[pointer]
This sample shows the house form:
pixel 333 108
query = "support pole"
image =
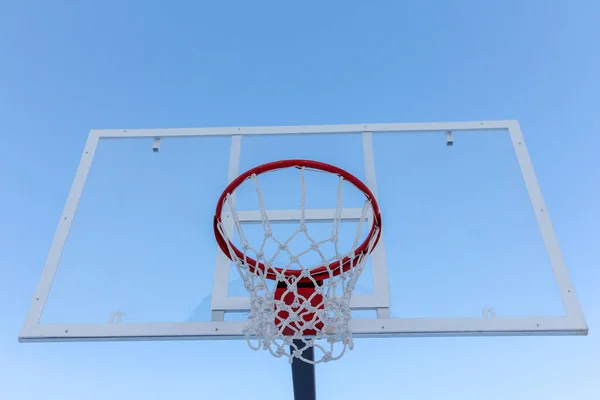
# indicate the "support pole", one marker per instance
pixel 303 374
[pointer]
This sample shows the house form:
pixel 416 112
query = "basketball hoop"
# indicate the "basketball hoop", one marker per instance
pixel 303 304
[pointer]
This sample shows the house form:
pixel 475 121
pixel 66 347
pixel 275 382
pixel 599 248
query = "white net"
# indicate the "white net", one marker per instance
pixel 290 308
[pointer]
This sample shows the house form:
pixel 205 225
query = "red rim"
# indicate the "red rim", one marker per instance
pixel 320 272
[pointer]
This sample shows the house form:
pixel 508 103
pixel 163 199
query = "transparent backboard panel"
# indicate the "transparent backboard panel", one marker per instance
pixel 459 230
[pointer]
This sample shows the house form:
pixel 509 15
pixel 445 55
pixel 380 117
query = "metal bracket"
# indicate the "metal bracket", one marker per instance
pixel 115 317
pixel 488 312
pixel 156 145
pixel 449 139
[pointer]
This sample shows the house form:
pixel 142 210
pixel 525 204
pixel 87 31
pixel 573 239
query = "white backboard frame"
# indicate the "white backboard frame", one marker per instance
pixel 573 323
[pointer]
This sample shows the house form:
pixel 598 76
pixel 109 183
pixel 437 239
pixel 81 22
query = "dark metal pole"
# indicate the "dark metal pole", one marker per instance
pixel 303 374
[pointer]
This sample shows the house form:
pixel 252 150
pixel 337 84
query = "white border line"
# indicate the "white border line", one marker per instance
pixel 559 268
pixel 381 285
pixel 410 327
pixel 221 274
pixel 304 129
pixel 60 237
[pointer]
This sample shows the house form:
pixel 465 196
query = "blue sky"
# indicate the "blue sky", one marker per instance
pixel 66 68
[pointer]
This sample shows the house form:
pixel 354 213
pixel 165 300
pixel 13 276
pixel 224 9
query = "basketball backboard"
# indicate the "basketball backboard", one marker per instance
pixel 467 245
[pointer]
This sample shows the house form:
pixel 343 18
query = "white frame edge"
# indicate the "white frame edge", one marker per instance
pixel 42 290
pixel 571 324
pixel 559 267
